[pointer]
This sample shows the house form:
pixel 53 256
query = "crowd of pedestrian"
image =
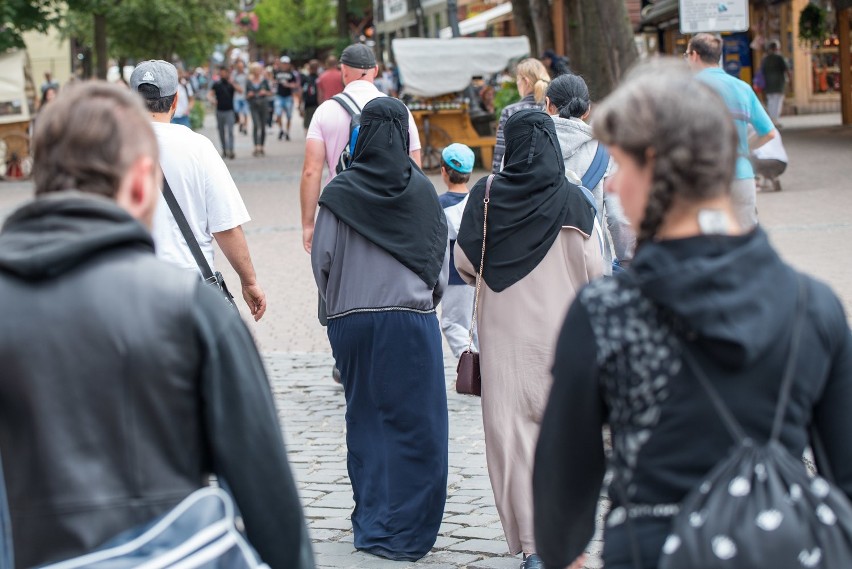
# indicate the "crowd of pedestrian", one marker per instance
pixel 268 96
pixel 636 218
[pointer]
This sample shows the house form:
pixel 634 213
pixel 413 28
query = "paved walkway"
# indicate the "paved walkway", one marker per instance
pixel 809 222
pixel 312 410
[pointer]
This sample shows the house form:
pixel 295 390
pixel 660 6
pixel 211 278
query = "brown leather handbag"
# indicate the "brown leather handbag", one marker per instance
pixel 468 377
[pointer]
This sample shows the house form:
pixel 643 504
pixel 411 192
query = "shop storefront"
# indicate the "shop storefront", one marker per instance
pixel 816 69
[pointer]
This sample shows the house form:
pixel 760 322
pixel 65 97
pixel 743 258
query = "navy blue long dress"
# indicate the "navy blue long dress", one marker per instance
pixel 380 259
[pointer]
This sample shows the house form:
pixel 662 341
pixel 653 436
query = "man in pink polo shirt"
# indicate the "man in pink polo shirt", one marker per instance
pixel 329 131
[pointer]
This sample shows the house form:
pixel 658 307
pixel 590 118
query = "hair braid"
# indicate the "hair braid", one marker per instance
pixel 659 202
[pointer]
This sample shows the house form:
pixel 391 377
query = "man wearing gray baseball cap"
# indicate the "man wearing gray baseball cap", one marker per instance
pixel 201 184
pixel 328 133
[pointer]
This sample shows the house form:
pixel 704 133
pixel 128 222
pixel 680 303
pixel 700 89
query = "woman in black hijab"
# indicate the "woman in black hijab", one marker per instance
pixel 380 259
pixel 542 245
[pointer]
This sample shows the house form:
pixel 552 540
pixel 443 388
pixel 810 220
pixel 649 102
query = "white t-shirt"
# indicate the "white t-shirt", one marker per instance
pixel 184 92
pixel 331 123
pixel 772 150
pixel 203 188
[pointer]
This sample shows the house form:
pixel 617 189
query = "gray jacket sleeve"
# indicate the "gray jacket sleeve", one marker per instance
pixel 443 278
pixel 623 236
pixel 245 442
pixel 323 247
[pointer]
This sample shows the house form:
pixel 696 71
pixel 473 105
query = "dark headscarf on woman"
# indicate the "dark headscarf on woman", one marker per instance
pixel 385 197
pixel 531 200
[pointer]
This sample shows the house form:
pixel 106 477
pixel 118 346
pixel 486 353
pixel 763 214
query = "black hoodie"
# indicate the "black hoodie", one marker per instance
pixel 125 382
pixel 55 234
pixel 730 301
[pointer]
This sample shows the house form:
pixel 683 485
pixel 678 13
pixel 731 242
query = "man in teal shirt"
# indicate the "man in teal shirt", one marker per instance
pixel 704 53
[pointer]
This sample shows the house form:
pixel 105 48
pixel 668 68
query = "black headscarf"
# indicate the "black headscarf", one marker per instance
pixel 531 200
pixel 385 197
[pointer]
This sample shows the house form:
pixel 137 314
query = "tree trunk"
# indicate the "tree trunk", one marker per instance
pixel 343 19
pixel 100 46
pixel 524 23
pixel 543 24
pixel 600 41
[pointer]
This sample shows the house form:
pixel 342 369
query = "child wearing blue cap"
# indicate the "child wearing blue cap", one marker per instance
pixel 457 304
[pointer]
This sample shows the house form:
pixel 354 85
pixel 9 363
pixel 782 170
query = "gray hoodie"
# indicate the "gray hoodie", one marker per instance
pixel 578 151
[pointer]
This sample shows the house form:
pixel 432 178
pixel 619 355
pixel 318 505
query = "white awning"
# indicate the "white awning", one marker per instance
pixel 479 23
pixel 432 67
pixel 13 98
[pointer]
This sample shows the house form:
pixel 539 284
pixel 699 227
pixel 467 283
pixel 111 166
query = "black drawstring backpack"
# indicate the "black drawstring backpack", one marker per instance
pixel 759 507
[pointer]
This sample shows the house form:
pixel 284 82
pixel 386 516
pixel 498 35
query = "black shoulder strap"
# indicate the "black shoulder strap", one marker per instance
pixel 188 236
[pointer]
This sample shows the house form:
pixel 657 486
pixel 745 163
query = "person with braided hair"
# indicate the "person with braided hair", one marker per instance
pixel 569 104
pixel 532 80
pixel 700 288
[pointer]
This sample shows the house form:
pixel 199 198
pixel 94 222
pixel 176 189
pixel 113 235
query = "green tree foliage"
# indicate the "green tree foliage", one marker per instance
pixel 302 27
pixel 19 16
pixel 152 29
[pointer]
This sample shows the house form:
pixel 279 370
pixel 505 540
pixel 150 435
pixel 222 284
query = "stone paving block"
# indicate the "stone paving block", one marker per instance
pixel 497 563
pixel 335 500
pixel 336 513
pixel 336 561
pixel 444 542
pixel 330 523
pixel 373 562
pixel 480 546
pixel 470 520
pixel 459 499
pixel 333 548
pixel 453 558
pixel 447 528
pixel 456 508
pixel 323 534
pixel 479 533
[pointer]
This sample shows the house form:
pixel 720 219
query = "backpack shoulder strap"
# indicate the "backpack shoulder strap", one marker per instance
pixel 597 169
pixel 348 103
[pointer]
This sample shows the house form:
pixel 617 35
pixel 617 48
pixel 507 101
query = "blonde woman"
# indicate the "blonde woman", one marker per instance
pixel 532 80
pixel 257 95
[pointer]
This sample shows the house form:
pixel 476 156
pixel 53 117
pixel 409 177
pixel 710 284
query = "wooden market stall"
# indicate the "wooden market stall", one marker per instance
pixel 14 117
pixel 437 75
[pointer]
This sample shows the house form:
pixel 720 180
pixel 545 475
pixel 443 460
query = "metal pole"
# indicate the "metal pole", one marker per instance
pixel 453 17
pixel 843 18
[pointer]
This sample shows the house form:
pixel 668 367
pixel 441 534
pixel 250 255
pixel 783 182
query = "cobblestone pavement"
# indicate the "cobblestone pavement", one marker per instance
pixel 809 222
pixel 312 411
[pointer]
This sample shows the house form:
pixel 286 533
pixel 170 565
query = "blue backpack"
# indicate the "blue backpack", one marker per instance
pixel 595 174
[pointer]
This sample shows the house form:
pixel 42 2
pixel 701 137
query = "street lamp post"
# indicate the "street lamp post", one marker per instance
pixel 453 17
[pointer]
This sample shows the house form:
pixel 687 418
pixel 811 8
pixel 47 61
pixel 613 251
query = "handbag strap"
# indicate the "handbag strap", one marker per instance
pixel 481 262
pixel 187 233
pixel 734 427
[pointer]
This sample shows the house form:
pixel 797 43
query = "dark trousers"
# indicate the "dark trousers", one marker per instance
pixel 225 123
pixel 259 115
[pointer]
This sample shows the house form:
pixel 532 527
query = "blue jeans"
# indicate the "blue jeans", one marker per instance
pixel 241 106
pixel 284 104
pixel 184 120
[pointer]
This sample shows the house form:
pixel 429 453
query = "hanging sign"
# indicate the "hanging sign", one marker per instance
pixel 713 16
pixel 395 9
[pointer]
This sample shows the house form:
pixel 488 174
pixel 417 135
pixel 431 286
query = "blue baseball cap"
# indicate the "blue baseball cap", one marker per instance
pixel 458 157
